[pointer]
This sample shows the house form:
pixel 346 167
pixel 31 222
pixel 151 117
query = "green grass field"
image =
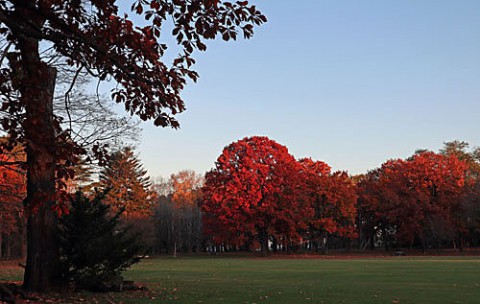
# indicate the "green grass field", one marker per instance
pixel 254 280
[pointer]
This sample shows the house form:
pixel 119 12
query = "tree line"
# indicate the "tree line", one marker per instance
pixel 258 197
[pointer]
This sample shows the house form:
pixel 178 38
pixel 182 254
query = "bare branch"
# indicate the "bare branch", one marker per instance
pixel 67 97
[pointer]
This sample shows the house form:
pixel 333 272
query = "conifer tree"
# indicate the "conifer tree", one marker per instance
pixel 128 183
pixel 95 249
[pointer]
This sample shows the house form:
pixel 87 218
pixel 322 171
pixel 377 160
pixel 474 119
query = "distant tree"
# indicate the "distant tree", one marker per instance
pixel 331 203
pixel 416 200
pixel 12 193
pixel 96 37
pixel 164 225
pixel 95 249
pixel 178 217
pixel 162 186
pixel 127 183
pixel 458 149
pixel 469 216
pixel 251 196
pixel 186 186
pixel 375 195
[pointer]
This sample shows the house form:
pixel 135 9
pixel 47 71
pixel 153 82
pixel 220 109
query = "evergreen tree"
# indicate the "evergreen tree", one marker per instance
pixel 128 183
pixel 94 249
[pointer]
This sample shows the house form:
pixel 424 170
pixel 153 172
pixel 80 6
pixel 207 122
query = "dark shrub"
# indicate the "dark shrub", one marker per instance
pixel 94 249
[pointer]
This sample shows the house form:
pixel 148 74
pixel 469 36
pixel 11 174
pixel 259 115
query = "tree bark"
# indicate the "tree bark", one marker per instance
pixel 8 245
pixel 323 239
pixel 263 239
pixel 1 243
pixel 22 235
pixel 37 89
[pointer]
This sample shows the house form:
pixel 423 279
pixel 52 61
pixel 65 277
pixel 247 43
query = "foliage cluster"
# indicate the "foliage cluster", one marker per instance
pixel 258 193
pixel 12 193
pixel 259 196
pixel 415 201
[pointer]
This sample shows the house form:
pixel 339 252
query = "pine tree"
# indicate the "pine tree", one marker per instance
pixel 94 247
pixel 128 183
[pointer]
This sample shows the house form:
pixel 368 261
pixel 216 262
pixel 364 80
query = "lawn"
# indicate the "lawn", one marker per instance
pixel 255 280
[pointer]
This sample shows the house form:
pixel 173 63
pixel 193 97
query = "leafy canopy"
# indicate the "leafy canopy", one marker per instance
pixel 92 35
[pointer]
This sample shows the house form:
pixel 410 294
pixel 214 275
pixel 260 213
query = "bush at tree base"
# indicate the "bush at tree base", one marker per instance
pixel 95 249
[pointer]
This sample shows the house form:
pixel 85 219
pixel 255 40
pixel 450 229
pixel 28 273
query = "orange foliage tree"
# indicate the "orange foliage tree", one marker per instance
pixel 250 196
pixel 127 184
pixel 178 219
pixel 12 194
pixel 129 189
pixel 186 187
pixel 186 218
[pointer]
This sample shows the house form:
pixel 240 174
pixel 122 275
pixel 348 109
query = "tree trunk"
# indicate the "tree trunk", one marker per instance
pixel 372 240
pixel 21 235
pixel 323 240
pixel 1 243
pixel 275 245
pixel 8 245
pixel 37 89
pixel 385 239
pixel 263 238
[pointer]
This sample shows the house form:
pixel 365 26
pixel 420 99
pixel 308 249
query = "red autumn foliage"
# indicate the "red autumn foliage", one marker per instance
pixel 12 177
pixel 12 193
pixel 251 194
pixel 258 192
pixel 415 199
pixel 331 201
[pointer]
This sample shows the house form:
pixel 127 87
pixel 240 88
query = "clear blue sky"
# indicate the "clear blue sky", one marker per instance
pixel 352 83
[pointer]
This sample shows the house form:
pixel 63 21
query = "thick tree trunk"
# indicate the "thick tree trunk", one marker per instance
pixel 42 267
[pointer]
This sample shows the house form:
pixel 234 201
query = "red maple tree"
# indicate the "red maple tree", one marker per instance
pixel 250 196
pixel 330 202
pixel 415 199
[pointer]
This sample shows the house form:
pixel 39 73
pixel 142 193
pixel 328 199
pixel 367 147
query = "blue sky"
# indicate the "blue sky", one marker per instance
pixel 352 83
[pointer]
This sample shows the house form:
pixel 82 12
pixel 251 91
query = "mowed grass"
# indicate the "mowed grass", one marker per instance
pixel 249 280
pixel 278 280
